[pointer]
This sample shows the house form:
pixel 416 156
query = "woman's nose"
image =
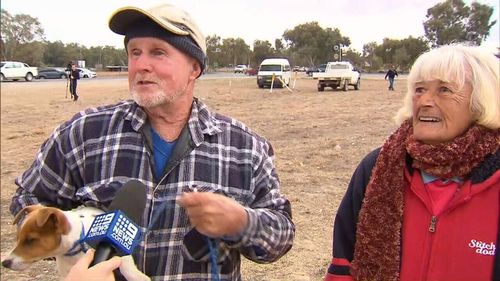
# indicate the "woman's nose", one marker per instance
pixel 427 98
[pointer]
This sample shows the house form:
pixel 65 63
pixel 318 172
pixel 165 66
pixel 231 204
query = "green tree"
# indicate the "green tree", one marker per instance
pixel 94 56
pixel 280 50
pixel 387 50
pixel 261 51
pixel 478 27
pixel 53 55
pixel 393 52
pixel 313 43
pixel 354 57
pixel 413 47
pixel 371 61
pixel 214 51
pixel 74 52
pixel 30 53
pixel 16 31
pixel 452 21
pixel 235 51
pixel 113 56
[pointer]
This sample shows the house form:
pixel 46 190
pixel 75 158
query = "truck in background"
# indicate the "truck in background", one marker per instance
pixel 279 68
pixel 338 74
pixel 14 70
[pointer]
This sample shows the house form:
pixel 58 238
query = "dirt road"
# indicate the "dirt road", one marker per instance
pixel 318 139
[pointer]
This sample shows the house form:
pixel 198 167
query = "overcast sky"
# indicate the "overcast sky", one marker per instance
pixel 86 21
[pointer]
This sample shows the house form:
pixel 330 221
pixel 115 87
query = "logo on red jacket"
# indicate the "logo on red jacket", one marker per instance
pixel 483 248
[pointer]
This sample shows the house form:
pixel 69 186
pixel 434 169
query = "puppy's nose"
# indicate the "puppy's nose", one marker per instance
pixel 7 263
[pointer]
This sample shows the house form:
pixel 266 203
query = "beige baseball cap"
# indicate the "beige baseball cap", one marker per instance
pixel 167 16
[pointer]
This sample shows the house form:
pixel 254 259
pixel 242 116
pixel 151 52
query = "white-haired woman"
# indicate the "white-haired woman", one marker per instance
pixel 425 206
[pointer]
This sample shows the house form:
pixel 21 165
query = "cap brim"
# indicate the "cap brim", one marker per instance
pixel 124 17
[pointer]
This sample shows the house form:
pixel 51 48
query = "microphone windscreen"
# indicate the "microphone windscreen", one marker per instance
pixel 131 200
pixel 117 231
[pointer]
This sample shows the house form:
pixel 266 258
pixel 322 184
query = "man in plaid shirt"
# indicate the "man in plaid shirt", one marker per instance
pixel 211 182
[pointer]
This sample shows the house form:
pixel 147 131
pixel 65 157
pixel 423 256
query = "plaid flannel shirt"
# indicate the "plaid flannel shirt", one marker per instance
pixel 87 159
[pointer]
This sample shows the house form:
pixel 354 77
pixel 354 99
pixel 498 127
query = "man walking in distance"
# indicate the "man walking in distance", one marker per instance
pixel 391 74
pixel 68 72
pixel 74 75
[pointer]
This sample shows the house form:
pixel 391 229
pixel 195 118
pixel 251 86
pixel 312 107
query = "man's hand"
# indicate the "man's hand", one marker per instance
pixel 214 215
pixel 100 272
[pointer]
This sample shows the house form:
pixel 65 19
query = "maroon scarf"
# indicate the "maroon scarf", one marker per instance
pixel 378 237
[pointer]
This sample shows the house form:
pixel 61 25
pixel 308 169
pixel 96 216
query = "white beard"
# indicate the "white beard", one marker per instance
pixel 158 97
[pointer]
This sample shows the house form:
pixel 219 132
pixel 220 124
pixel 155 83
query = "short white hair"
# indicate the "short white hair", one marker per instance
pixel 459 64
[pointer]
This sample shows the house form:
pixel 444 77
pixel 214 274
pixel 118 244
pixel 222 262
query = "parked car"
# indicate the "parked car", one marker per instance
pixel 251 71
pixel 277 69
pixel 15 70
pixel 338 74
pixel 86 73
pixel 241 68
pixel 319 68
pixel 52 73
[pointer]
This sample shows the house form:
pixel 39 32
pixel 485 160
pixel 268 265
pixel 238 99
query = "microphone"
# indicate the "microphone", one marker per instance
pixel 117 232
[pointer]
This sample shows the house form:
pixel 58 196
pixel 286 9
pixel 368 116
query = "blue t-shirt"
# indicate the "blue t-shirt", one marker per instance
pixel 162 150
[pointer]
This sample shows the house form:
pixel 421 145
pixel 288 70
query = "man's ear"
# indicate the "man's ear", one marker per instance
pixel 196 69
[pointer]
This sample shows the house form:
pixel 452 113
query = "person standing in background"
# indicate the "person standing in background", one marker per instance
pixel 74 75
pixel 68 72
pixel 391 74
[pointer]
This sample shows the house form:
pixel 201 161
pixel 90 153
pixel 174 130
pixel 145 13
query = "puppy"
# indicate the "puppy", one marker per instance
pixel 47 232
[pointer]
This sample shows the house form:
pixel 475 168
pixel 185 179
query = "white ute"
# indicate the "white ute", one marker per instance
pixel 14 70
pixel 338 74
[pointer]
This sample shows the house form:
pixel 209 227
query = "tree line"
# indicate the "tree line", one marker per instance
pixel 22 38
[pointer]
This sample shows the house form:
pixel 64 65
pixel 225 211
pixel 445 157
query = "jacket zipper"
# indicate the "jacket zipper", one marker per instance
pixel 432 226
pixel 453 204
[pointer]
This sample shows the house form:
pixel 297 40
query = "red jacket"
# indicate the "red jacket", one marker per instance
pixel 462 236
pixel 455 243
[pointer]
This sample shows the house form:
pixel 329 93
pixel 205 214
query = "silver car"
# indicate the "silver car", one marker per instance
pixel 86 73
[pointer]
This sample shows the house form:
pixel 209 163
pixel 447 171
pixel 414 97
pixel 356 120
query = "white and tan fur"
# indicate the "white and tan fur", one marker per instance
pixel 47 232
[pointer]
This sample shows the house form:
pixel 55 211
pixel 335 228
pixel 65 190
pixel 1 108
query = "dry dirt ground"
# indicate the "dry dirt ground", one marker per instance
pixel 318 138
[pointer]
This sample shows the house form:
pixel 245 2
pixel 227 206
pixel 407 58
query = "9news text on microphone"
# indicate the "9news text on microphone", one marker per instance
pixel 117 232
pixel 116 229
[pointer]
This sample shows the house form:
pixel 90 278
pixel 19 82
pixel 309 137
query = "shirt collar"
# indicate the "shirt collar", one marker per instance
pixel 428 178
pixel 201 121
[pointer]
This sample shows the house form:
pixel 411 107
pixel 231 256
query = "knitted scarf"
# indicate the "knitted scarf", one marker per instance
pixel 378 237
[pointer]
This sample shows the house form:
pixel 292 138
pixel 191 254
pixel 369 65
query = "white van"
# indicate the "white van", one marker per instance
pixel 279 67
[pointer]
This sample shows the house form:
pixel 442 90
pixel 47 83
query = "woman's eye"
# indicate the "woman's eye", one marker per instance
pixel 446 90
pixel 419 90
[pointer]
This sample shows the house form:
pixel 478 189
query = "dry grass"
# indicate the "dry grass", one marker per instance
pixel 318 139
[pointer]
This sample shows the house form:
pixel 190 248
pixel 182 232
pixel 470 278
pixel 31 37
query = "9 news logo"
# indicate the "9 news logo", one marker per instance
pixel 100 225
pixel 124 232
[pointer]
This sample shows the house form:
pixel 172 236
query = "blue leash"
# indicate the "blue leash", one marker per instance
pixel 212 246
pixel 79 245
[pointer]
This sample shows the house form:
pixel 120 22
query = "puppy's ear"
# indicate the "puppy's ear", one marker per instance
pixel 54 219
pixel 24 211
